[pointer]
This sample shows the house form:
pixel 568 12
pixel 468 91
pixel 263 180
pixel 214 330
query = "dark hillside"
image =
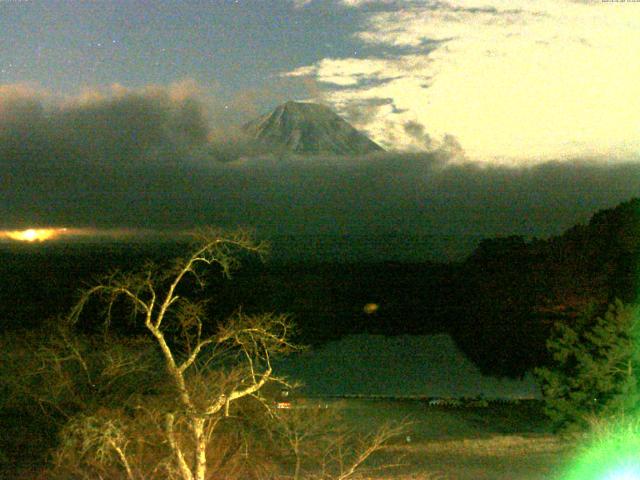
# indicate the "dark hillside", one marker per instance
pixel 499 304
pixel 513 291
pixel 328 300
pixel 41 281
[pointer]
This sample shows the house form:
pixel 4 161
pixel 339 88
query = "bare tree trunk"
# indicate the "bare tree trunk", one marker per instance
pixel 184 469
pixel 296 450
pixel 201 445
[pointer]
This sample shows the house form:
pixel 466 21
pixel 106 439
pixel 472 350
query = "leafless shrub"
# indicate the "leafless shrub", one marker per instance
pixel 323 447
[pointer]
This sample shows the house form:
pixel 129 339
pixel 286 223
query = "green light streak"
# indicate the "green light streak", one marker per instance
pixel 614 454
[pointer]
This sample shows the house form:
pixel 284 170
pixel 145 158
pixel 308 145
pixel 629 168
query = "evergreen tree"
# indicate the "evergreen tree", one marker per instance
pixel 596 368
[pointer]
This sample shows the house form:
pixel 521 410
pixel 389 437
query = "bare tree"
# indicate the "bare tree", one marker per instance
pixel 183 399
pixel 324 448
pixel 209 369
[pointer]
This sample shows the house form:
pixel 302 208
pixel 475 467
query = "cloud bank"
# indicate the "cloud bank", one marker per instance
pixel 152 159
pixel 513 80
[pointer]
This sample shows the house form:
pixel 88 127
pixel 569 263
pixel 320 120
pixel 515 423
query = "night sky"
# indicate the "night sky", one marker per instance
pixel 498 117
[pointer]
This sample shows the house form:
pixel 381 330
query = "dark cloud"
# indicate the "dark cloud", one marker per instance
pixel 450 147
pixel 364 111
pixel 121 129
pixel 150 160
pixel 417 132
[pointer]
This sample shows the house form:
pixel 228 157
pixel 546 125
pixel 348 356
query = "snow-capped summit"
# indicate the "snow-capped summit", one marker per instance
pixel 309 128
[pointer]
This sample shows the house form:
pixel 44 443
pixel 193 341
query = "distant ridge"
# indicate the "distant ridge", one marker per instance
pixel 308 129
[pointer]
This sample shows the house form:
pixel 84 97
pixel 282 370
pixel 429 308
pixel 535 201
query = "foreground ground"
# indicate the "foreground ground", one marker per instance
pixel 496 442
pixel 492 442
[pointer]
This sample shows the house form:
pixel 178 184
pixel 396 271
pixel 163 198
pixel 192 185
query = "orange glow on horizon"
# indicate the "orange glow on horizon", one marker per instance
pixel 40 235
pixel 33 234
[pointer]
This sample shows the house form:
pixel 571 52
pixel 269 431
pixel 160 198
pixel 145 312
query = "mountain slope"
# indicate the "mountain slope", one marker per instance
pixel 309 128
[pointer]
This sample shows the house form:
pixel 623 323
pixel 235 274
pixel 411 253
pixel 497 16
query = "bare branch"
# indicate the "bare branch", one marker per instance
pixel 194 355
pixel 371 445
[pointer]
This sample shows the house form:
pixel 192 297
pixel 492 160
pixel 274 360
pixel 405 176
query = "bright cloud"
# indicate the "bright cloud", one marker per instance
pixel 354 71
pixel 510 79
